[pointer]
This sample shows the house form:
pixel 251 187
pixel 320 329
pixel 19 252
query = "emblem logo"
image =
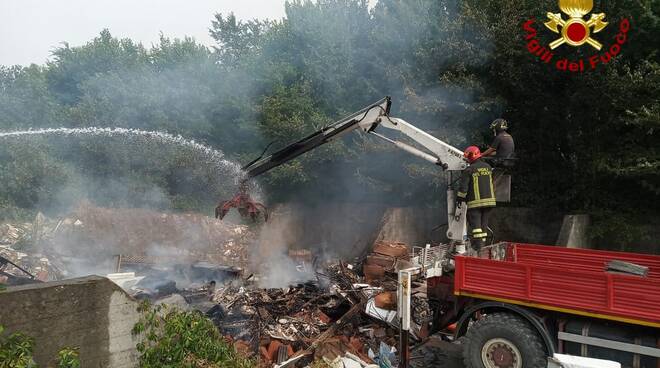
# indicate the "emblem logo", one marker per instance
pixel 575 31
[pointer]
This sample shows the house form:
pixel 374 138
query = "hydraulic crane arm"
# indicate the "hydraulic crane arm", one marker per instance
pixel 318 138
pixel 443 154
pixel 367 119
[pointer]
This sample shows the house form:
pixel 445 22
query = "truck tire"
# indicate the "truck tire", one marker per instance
pixel 503 340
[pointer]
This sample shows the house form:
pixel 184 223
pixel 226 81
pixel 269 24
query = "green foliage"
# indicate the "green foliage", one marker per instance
pixel 586 142
pixel 237 39
pixel 16 350
pixel 72 66
pixel 174 338
pixel 68 358
pixel 586 139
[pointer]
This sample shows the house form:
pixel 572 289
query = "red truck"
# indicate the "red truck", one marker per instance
pixel 516 304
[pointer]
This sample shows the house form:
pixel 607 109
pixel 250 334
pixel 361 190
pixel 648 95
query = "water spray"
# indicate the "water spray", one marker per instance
pixel 213 156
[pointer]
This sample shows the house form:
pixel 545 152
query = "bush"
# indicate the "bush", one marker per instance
pixel 16 350
pixel 68 358
pixel 174 338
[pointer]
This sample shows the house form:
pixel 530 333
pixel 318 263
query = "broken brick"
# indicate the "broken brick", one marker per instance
pixel 272 350
pixel 381 260
pixel 373 272
pixel 324 317
pixel 242 347
pixel 356 344
pixel 386 300
pixel 397 250
pixel 264 353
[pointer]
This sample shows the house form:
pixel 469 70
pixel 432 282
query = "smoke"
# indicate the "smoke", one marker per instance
pixel 165 246
pixel 129 164
pixel 128 170
pixel 270 254
pixel 421 54
pixel 351 55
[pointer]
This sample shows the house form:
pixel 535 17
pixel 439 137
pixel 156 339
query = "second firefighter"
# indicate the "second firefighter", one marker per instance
pixel 475 188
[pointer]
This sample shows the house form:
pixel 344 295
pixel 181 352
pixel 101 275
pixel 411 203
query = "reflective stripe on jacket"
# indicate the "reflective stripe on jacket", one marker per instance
pixel 476 185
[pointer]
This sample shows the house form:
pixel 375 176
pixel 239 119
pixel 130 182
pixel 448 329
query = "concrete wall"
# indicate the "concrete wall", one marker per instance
pixel 351 227
pixel 90 313
pixel 574 232
pixel 413 226
pixel 525 225
pixel 343 229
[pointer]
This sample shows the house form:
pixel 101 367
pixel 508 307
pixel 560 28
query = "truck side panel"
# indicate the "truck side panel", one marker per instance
pixel 553 278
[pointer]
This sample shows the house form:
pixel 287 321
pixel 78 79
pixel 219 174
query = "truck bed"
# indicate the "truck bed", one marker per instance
pixel 563 279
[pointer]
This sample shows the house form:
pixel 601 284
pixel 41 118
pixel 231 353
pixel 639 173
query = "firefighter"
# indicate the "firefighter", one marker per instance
pixel 503 146
pixel 475 188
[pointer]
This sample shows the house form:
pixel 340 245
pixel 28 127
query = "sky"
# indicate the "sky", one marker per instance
pixel 31 29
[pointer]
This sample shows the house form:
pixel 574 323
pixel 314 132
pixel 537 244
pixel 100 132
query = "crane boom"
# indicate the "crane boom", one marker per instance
pixel 318 138
pixel 446 155
pixel 368 120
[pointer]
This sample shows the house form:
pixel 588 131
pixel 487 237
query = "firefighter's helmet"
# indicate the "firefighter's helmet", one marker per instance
pixel 499 125
pixel 472 153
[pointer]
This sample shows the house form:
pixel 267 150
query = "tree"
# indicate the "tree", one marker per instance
pixel 586 141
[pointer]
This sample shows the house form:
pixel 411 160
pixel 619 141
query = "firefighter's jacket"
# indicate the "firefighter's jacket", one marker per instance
pixel 476 185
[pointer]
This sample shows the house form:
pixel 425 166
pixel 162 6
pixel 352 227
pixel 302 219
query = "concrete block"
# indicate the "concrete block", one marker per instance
pixel 90 313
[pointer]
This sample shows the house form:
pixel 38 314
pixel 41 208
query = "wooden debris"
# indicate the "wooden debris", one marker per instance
pixel 397 250
pixel 380 260
pixel 373 273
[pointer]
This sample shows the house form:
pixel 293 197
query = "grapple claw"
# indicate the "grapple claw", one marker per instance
pixel 244 204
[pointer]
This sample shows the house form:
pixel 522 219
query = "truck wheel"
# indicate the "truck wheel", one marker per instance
pixel 503 340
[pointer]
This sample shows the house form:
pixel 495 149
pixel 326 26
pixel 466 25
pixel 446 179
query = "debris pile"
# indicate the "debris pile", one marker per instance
pixel 340 318
pixel 10 234
pixel 94 240
pixel 337 318
pixel 344 315
pixel 22 260
pixel 314 320
pixel 141 232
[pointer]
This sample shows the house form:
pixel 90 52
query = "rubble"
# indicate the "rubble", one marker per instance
pixel 386 257
pixel 125 280
pixel 162 237
pixel 17 267
pixel 327 319
pixel 342 318
pixel 391 249
pixel 10 234
pixel 90 238
pixel 345 316
pixel 175 300
pixel 23 258
pixel 386 300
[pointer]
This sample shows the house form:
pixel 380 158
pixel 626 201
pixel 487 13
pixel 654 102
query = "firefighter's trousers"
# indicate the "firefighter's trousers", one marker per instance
pixel 477 219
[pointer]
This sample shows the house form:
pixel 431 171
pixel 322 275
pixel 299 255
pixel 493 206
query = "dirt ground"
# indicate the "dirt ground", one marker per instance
pixel 437 353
